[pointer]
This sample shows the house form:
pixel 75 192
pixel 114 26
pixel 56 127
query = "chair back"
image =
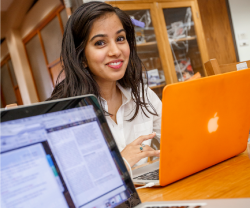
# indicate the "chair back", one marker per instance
pixel 212 67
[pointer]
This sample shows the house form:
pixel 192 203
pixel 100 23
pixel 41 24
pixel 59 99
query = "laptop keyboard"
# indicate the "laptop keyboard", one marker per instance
pixel 153 175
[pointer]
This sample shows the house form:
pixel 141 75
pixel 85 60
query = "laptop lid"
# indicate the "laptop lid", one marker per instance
pixel 204 122
pixel 61 154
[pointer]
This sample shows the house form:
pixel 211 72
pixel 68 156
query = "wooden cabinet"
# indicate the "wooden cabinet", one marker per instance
pixel 170 39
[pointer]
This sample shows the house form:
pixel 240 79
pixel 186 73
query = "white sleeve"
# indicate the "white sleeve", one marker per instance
pixel 157 104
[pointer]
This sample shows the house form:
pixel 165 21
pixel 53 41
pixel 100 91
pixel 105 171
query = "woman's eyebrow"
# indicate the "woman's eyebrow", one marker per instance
pixel 121 30
pixel 99 35
pixel 104 35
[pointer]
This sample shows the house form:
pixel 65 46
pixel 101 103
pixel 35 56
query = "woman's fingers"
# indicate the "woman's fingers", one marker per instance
pixel 145 148
pixel 135 151
pixel 140 139
pixel 152 153
pixel 148 151
pixel 136 157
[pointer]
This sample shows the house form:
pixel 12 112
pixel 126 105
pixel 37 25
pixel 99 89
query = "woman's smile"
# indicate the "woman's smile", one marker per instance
pixel 116 64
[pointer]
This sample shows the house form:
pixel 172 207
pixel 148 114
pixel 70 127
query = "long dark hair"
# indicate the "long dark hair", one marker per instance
pixel 78 77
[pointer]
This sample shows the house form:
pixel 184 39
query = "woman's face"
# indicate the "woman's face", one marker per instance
pixel 107 50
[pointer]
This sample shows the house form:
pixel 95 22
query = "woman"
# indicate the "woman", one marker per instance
pixel 99 57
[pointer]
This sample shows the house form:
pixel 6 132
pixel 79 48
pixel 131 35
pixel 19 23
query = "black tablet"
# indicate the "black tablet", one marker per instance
pixel 62 154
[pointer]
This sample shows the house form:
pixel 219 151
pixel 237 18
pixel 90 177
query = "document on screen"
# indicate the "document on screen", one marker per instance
pixel 27 180
pixel 84 160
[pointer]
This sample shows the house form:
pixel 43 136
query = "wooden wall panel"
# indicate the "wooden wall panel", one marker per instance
pixel 217 29
pixel 55 68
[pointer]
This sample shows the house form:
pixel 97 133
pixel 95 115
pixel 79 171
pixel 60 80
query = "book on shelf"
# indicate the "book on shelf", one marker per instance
pixel 155 77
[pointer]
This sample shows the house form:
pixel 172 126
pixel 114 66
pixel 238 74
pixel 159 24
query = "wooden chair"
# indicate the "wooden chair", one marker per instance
pixel 212 67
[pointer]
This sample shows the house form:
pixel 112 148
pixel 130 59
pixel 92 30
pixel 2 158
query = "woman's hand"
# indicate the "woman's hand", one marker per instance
pixel 133 154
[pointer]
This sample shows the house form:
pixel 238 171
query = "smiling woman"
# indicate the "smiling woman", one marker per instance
pixel 99 57
pixel 107 50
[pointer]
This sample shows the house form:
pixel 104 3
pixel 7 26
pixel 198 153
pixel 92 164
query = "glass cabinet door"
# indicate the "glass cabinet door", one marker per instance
pixel 183 42
pixel 147 49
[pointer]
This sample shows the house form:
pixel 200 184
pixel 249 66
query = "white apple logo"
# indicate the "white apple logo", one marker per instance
pixel 212 123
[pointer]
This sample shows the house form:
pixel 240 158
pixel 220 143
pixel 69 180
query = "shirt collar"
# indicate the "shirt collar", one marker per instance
pixel 126 93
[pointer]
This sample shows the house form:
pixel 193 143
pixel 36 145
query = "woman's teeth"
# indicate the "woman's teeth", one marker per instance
pixel 115 64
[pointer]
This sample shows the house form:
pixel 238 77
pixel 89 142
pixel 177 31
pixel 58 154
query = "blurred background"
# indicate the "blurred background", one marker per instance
pixel 174 39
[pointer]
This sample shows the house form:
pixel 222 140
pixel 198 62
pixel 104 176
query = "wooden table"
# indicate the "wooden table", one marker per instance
pixel 228 179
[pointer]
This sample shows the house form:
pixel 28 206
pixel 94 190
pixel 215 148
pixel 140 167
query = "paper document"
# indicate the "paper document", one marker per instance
pixel 242 66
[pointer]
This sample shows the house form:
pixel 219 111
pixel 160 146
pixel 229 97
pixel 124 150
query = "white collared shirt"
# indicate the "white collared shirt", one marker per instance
pixel 125 131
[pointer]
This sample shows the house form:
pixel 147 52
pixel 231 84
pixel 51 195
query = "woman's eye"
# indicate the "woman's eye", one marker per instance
pixel 121 38
pixel 100 43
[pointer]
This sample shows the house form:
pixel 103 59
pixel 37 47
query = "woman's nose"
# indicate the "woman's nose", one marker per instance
pixel 114 49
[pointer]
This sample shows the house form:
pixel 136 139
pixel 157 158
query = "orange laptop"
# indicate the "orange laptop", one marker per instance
pixel 204 122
